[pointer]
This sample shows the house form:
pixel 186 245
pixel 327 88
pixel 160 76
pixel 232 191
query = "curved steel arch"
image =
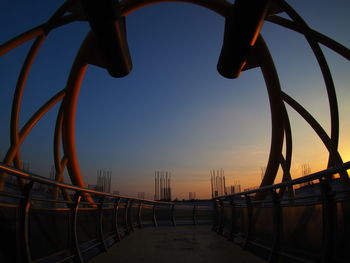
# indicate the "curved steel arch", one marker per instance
pixel 89 53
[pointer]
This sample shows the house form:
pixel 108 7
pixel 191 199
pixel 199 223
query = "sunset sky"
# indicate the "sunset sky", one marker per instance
pixel 174 112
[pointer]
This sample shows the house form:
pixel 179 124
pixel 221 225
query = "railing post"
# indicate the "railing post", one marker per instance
pixel 75 244
pixel 172 214
pixel 100 223
pixel 329 220
pixel 233 220
pixel 155 224
pixel 250 220
pixel 131 227
pixel 139 212
pixel 116 209
pixel 23 251
pixel 215 215
pixel 277 227
pixel 126 211
pixel 221 218
pixel 194 219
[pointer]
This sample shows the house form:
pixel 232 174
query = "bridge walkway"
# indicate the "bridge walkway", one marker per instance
pixel 182 244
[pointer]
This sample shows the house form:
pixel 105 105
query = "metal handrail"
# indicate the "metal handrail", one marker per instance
pixel 43 180
pixel 326 198
pixel 314 176
pixel 76 249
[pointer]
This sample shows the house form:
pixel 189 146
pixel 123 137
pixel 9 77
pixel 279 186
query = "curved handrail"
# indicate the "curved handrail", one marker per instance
pixel 102 204
pixel 314 176
pixel 246 219
pixel 40 179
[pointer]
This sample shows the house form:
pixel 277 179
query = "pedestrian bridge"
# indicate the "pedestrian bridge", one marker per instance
pixel 302 220
pixel 195 244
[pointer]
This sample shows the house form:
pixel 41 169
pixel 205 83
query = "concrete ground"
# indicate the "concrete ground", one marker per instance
pixel 182 244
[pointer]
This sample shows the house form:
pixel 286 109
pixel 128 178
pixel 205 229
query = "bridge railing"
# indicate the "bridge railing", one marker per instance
pixel 35 227
pixel 302 220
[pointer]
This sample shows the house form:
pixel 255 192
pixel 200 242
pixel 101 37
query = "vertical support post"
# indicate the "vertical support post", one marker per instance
pixel 166 187
pixel 75 244
pixel 222 218
pixel 250 220
pixel 233 220
pixel 158 186
pixel 277 227
pixel 212 187
pixel 155 224
pixel 215 215
pixel 155 186
pixel 130 224
pixel 23 251
pixel 116 210
pixel 194 217
pixel 329 220
pixel 139 212
pixel 161 186
pixel 126 215
pixel 172 214
pixel 100 223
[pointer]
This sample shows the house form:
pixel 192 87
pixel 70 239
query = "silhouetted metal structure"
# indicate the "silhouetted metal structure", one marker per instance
pixel 106 46
pixel 310 227
pixel 218 183
pixel 162 186
pixel 75 230
pixel 243 48
pixel 104 179
pixel 192 196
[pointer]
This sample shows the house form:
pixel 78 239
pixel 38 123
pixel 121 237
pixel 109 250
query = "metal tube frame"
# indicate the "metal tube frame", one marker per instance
pixel 116 210
pixel 100 223
pixel 329 219
pixel 23 252
pixel 88 50
pixel 233 220
pixel 129 219
pixel 155 223
pixel 75 248
pixel 126 220
pixel 277 227
pixel 221 208
pixel 249 220
pixel 172 214
pixel 139 215
pixel 194 215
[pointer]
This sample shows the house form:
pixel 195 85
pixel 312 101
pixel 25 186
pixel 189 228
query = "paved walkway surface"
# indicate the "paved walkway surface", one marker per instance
pixel 182 244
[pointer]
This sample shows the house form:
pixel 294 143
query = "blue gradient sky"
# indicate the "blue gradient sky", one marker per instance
pixel 174 112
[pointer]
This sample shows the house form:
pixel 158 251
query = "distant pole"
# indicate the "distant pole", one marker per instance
pixel 161 185
pixel 166 185
pixel 220 182
pixel 213 179
pixel 158 186
pixel 155 185
pixel 216 184
pixel 170 186
pixel 211 182
pixel 223 174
